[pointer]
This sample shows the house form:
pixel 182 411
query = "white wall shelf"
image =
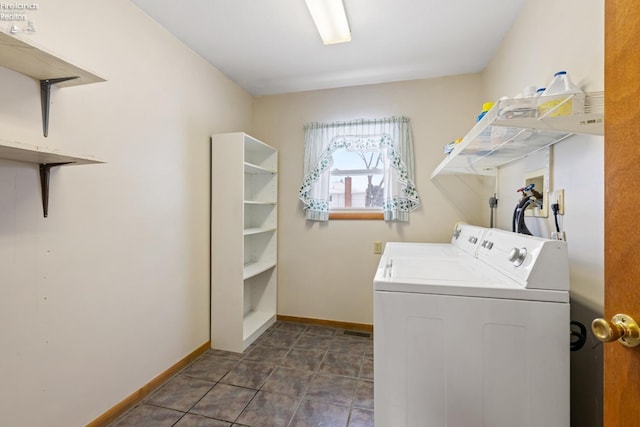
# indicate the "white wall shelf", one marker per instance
pixel 258 230
pixel 244 221
pixel 506 134
pixel 256 170
pixel 20 152
pixel 254 268
pixel 46 158
pixel 49 69
pixel 254 324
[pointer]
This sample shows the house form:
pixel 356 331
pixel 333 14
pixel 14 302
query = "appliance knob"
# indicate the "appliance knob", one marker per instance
pixel 456 233
pixel 517 256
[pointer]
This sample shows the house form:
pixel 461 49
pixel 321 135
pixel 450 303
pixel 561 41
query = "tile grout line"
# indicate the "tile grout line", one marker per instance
pixel 279 363
pixel 145 401
pixel 215 383
pixel 306 388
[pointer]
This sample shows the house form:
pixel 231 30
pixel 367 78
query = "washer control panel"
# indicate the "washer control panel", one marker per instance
pixel 486 244
pixel 517 256
pixel 531 261
pixel 468 237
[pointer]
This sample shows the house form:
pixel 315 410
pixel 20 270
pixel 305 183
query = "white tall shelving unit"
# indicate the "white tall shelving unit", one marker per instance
pixel 244 221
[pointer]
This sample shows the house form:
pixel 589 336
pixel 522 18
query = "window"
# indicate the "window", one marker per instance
pixel 356 182
pixel 360 169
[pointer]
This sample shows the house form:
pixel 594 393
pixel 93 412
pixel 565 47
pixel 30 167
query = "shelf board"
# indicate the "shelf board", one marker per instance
pixel 20 152
pixel 253 144
pixel 495 141
pixel 36 62
pixel 258 202
pixel 592 123
pixel 250 168
pixel 258 230
pixel 254 268
pixel 46 157
pixel 483 155
pixel 255 323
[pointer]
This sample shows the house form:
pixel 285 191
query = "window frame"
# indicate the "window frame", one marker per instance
pixel 353 214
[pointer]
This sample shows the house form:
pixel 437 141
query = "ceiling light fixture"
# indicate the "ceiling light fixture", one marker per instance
pixel 331 20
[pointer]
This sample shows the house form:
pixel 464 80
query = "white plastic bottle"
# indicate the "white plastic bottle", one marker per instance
pixel 561 98
pixel 529 92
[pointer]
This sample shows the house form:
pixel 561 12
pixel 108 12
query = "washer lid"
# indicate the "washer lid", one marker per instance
pixel 459 276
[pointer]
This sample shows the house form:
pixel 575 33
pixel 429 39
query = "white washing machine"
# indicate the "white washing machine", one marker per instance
pixel 472 338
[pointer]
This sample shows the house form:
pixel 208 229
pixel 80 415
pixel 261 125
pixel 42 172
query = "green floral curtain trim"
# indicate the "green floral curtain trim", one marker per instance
pixel 395 209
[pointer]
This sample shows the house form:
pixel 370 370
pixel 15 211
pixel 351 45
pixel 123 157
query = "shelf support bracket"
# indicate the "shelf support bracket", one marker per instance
pixel 45 169
pixel 45 99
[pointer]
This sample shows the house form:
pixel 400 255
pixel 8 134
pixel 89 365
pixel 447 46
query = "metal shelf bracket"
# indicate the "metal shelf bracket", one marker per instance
pixel 45 169
pixel 45 99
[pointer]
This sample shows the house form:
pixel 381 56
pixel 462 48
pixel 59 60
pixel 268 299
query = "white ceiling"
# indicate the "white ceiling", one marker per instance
pixel 272 46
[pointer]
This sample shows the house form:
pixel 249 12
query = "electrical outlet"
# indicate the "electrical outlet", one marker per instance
pixel 559 236
pixel 558 197
pixel 377 247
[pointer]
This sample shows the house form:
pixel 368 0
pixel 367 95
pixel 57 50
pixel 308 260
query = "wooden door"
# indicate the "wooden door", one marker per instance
pixel 622 205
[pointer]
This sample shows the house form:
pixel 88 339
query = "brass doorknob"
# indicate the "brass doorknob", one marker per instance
pixel 621 328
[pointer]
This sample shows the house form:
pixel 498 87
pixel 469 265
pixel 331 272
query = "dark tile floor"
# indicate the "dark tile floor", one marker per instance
pixel 294 375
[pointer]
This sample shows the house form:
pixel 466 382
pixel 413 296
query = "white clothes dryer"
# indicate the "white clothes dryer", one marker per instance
pixel 476 339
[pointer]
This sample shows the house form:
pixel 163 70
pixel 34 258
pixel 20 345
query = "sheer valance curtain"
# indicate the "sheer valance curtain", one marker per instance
pixel 390 136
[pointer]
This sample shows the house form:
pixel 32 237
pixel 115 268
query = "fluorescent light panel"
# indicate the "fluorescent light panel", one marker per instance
pixel 330 19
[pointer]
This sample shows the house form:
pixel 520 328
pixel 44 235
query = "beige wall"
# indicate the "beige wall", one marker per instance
pixel 326 270
pixel 572 40
pixel 113 287
pixel 548 36
pixel 576 44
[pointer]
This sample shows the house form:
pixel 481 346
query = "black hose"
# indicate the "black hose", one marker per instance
pixel 555 208
pixel 580 336
pixel 521 225
pixel 517 223
pixel 516 211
